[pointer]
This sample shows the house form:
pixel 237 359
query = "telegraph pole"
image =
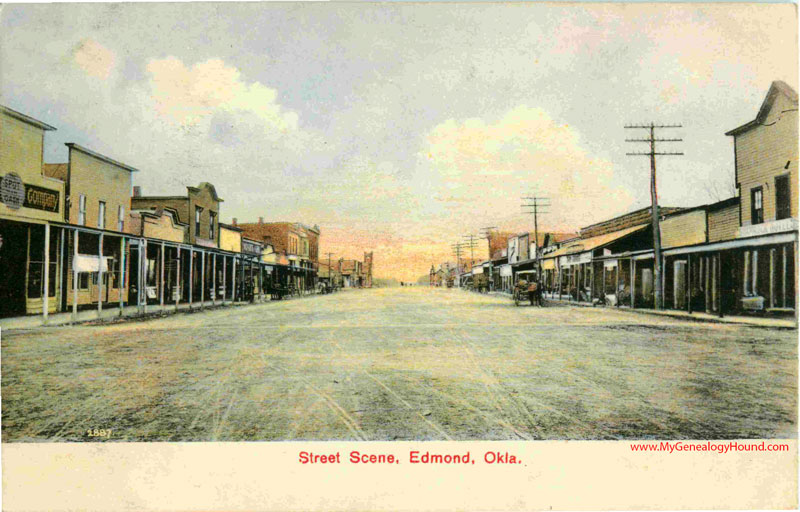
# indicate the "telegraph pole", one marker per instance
pixel 651 140
pixel 487 233
pixel 471 246
pixel 537 205
pixel 330 270
pixel 457 251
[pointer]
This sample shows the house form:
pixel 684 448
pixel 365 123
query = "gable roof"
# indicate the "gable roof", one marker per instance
pixel 777 87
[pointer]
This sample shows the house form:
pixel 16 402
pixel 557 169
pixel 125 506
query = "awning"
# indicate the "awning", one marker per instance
pixel 589 244
pixel 477 270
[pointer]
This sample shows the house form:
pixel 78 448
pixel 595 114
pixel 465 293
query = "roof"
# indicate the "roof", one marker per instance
pixel 777 86
pixel 57 171
pixel 98 156
pixel 25 119
pixel 209 186
pixel 230 227
pixel 589 244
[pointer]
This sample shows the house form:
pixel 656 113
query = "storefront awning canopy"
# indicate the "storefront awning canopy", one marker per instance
pixel 595 242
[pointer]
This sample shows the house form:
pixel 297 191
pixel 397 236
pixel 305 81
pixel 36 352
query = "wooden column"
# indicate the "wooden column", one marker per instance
pixel 100 275
pixel 214 279
pixel 707 283
pixel 191 275
pixel 224 280
pixel 772 278
pixel 62 293
pixel 122 286
pixel 720 286
pixel 633 283
pixel 616 292
pixel 783 277
pixel 233 280
pixel 714 283
pixel 202 279
pixel 746 287
pixel 161 279
pixel 46 276
pixel 75 240
pixel 755 271
pixel 689 283
pixel 178 277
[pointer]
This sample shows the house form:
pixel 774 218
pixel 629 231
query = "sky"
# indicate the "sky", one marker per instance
pixel 401 128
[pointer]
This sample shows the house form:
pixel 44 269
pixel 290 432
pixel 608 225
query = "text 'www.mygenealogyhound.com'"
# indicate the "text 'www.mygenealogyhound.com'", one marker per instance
pixel 709 446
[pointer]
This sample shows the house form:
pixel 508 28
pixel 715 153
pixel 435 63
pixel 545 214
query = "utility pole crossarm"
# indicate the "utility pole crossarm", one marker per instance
pixel 651 140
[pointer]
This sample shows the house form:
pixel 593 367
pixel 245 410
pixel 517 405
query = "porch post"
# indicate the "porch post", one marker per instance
pixel 253 297
pixel 121 273
pixel 75 277
pixel 202 279
pixel 62 293
pixel 720 286
pixel 191 275
pixel 746 290
pixel 214 279
pixel 633 283
pixel 233 280
pixel 46 277
pixel 178 278
pixel 144 273
pixel 224 280
pixel 161 286
pixel 604 281
pixel 591 282
pixel 689 283
pixel 772 278
pixel 616 292
pixel 707 279
pixel 100 276
pixel 783 277
pixel 139 278
pixel 714 283
pixel 755 271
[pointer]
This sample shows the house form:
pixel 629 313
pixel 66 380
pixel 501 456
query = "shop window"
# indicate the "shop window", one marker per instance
pixel 83 281
pixel 82 210
pixel 756 205
pixel 782 198
pixel 101 215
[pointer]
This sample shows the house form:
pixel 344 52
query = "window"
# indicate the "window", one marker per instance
pixel 121 217
pixel 101 215
pixel 82 210
pixel 783 209
pixel 211 216
pixel 197 213
pixel 756 205
pixel 83 281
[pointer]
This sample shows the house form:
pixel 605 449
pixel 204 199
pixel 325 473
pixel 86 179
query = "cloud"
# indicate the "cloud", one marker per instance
pixel 493 163
pixel 94 58
pixel 193 94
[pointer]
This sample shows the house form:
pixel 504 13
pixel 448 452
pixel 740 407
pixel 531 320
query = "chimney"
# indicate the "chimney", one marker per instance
pixel 261 220
pixel 234 221
pixel 137 191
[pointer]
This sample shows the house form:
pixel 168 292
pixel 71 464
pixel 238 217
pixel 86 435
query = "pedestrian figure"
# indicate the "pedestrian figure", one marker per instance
pixel 534 293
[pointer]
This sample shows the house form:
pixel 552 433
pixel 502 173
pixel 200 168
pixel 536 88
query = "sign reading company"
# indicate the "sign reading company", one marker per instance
pixel 41 198
pixel 15 194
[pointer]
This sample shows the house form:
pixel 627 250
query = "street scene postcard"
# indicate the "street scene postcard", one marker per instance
pixel 437 256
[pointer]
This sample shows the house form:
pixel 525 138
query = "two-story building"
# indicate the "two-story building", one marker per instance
pixel 31 248
pixel 98 190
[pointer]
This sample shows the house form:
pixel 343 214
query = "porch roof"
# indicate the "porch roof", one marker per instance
pixel 595 242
